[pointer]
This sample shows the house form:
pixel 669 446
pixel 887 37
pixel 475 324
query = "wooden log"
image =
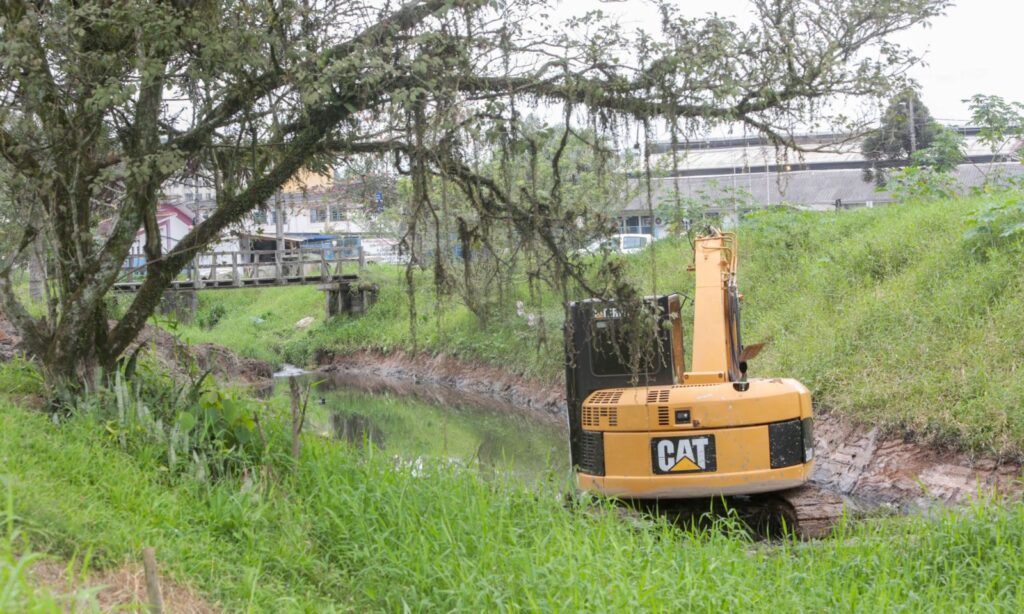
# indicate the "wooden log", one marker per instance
pixel 156 602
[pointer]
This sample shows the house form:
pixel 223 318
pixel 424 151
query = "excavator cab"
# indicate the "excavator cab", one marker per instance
pixel 656 428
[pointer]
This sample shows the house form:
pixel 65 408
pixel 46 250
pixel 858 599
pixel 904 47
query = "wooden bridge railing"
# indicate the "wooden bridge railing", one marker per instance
pixel 253 267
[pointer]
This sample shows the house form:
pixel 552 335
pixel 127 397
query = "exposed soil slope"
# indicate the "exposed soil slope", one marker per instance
pixel 221 362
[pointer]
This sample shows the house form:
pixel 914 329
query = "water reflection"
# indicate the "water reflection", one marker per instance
pixel 419 421
pixel 356 429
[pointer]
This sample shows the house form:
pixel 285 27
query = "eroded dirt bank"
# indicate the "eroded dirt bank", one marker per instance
pixel 477 384
pixel 860 463
pixel 224 364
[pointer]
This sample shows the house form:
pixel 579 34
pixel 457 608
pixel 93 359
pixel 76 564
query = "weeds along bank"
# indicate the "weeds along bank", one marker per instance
pixel 905 316
pixel 348 529
pixel 184 469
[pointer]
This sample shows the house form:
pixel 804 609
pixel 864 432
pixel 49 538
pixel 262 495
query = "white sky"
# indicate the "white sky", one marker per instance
pixel 976 48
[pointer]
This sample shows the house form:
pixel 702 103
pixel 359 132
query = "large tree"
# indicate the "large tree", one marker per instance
pixel 906 128
pixel 103 102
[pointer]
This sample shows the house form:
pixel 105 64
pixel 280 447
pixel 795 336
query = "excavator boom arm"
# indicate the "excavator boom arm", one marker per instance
pixel 716 310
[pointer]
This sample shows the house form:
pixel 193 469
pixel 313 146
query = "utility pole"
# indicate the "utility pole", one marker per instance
pixel 279 224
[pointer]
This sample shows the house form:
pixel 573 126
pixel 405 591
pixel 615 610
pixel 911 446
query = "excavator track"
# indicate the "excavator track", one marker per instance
pixel 809 511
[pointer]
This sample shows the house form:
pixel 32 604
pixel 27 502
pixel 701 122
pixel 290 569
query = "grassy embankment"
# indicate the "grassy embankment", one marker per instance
pixel 889 315
pixel 348 530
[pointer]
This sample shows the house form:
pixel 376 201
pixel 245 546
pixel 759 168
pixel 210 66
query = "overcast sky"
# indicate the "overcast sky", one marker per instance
pixel 976 48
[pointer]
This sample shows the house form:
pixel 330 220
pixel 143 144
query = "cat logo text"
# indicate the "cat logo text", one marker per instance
pixel 683 454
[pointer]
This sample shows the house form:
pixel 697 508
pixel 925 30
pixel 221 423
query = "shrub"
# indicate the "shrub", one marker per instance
pixel 996 225
pixel 195 427
pixel 211 317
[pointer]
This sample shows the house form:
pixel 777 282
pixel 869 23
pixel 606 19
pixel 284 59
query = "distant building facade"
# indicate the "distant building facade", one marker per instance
pixel 767 176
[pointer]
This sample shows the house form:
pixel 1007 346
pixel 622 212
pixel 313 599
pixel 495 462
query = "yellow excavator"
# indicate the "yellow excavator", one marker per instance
pixel 652 428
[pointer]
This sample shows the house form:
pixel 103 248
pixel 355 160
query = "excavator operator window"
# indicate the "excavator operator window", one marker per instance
pixel 611 351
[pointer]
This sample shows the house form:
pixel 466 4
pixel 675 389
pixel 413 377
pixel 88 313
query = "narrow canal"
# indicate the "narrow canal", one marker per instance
pixel 420 421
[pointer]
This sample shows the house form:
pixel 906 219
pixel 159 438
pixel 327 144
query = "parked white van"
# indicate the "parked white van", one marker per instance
pixel 622 244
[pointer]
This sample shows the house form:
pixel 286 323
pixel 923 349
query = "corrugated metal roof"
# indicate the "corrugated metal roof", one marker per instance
pixel 815 188
pixel 753 156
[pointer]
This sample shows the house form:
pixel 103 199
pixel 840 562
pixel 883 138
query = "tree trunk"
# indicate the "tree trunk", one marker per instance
pixel 37 270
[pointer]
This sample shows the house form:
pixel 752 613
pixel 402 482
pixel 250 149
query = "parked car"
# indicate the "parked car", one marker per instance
pixel 622 244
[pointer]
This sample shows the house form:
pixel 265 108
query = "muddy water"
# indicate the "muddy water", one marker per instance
pixel 414 421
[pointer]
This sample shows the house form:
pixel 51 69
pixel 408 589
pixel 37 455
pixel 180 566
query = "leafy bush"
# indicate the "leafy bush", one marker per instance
pixel 920 183
pixel 209 318
pixel 996 225
pixel 197 427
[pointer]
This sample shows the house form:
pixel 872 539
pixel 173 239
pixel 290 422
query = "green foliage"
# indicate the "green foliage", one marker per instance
pixel 890 318
pixel 20 376
pixel 997 226
pixel 17 593
pixel 1001 122
pixel 208 318
pixel 945 152
pixel 930 174
pixel 195 427
pixel 891 140
pixel 350 530
pixel 920 183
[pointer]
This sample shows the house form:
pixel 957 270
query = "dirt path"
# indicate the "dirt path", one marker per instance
pixel 118 590
pixel 862 464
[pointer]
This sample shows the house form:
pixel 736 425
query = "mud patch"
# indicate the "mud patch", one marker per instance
pixel 120 590
pixel 899 472
pixel 871 468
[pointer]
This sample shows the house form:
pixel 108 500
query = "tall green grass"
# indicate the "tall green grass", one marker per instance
pixel 355 530
pixel 18 591
pixel 890 315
